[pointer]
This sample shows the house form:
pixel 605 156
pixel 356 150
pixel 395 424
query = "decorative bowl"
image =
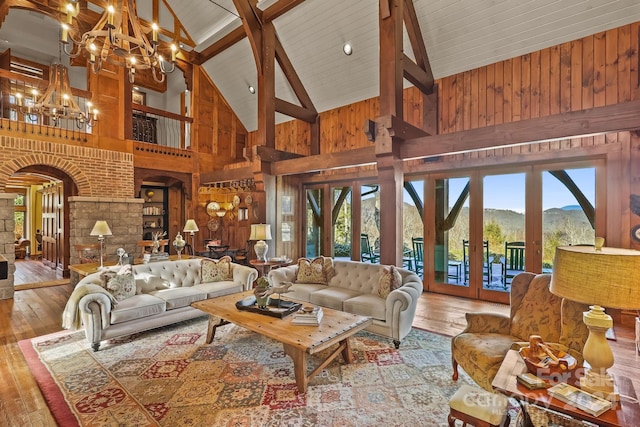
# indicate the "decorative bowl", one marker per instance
pixel 561 370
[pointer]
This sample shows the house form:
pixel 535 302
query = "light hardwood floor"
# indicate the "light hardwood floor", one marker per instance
pixel 37 312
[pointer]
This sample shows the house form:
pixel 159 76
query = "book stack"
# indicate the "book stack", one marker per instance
pixel 311 318
pixel 531 382
pixel 589 403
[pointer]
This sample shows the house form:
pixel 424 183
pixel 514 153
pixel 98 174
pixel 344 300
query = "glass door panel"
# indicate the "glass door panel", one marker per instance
pixel 568 217
pixel 451 230
pixel 370 223
pixel 314 220
pixel 413 226
pixel 501 254
pixel 341 222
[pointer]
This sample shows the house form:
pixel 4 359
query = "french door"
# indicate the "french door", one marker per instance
pixel 484 227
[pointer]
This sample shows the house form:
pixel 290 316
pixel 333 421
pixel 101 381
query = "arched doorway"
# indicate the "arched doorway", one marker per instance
pixel 42 218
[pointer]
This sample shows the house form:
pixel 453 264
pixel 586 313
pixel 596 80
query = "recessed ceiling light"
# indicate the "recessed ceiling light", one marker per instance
pixel 252 89
pixel 347 49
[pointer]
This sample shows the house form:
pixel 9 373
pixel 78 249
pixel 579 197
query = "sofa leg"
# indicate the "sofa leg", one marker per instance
pixel 396 343
pixel 455 369
pixel 95 346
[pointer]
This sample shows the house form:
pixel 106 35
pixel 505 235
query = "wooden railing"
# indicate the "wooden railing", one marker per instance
pixel 160 127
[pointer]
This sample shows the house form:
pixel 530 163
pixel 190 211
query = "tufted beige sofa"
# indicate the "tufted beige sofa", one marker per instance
pixel 150 307
pixel 353 289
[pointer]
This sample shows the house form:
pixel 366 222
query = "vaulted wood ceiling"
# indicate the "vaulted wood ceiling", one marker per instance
pixel 459 35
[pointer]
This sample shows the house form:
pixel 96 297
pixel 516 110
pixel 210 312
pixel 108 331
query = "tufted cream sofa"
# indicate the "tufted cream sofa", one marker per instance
pixel 353 289
pixel 165 291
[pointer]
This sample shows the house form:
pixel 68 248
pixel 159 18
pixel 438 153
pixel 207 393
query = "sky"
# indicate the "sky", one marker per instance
pixel 507 191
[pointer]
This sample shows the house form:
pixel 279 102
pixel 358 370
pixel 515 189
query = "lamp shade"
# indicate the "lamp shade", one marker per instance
pixel 260 232
pixel 100 228
pixel 191 226
pixel 609 277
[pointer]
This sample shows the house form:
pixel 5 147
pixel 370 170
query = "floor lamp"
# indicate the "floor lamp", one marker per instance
pixel 101 229
pixel 191 227
pixel 603 277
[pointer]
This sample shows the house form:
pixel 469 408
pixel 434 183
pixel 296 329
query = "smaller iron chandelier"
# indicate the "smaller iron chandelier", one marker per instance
pixel 118 38
pixel 57 102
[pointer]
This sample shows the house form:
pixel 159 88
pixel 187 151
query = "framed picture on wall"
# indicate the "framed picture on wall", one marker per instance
pixel 287 205
pixel 138 97
pixel 286 231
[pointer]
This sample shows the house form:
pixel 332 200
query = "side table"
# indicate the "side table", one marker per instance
pixel 268 265
pixel 624 413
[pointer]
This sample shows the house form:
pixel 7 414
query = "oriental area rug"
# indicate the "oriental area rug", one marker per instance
pixel 170 377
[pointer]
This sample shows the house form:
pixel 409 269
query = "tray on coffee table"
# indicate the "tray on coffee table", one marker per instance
pixel 275 308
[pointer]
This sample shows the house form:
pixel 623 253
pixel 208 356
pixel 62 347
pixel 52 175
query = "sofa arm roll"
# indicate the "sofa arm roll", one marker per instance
pixel 489 323
pixel 96 307
pixel 245 275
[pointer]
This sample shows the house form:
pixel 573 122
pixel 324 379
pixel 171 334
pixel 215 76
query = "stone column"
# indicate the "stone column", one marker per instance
pixel 123 215
pixel 7 239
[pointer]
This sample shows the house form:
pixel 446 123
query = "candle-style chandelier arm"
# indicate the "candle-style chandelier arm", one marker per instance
pixel 57 102
pixel 119 38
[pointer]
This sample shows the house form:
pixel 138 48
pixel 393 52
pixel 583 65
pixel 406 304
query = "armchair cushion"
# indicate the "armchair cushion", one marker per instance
pixel 539 311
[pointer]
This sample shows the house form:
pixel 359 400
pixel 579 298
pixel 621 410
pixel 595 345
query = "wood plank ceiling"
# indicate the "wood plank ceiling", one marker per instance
pixel 459 35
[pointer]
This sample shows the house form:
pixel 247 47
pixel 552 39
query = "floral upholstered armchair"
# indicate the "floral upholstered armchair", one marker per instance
pixel 482 346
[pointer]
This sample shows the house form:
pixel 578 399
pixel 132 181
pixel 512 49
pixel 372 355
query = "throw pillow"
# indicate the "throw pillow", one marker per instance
pixel 216 270
pixel 390 280
pixel 318 270
pixel 122 286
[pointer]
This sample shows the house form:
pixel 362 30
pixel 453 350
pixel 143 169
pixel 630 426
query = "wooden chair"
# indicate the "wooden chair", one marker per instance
pixel 366 251
pixel 147 246
pixel 513 261
pixel 418 255
pixel 88 253
pixel 486 262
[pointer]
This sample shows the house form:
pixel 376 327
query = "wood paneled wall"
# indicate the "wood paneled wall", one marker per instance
pixel 216 125
pixel 601 69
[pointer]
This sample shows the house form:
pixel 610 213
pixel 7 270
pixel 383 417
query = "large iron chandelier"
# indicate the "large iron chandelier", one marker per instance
pixel 57 102
pixel 118 38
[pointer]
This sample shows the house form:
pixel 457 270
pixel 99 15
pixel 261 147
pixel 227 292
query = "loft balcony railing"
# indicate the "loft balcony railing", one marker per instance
pixel 159 127
pixel 149 125
pixel 13 117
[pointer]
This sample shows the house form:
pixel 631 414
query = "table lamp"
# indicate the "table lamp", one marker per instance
pixel 101 229
pixel 260 232
pixel 604 277
pixel 191 227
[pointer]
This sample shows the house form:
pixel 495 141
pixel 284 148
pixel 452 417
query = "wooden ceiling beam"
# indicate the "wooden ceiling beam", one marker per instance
pixel 224 175
pixel 295 111
pixel 416 75
pixel 269 14
pixel 293 78
pixel 417 45
pixel 320 162
pixel 279 8
pixel 594 121
pixel 252 24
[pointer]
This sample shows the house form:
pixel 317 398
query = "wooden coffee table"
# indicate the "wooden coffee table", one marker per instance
pixel 335 328
pixel 624 413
